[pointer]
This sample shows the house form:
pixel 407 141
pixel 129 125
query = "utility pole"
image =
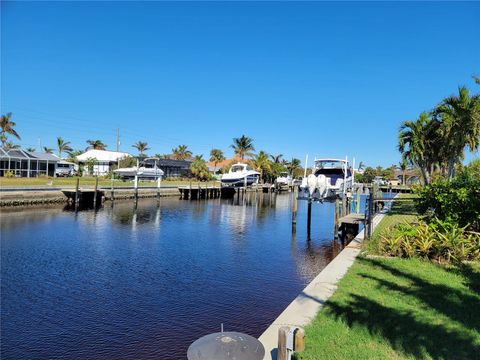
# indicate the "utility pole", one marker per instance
pixel 118 139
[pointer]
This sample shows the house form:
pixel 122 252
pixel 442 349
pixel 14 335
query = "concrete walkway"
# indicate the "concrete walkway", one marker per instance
pixel 303 309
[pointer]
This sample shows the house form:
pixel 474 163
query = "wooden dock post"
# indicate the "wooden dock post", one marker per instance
pixel 77 195
pixel 294 206
pixel 95 193
pixel 111 191
pixel 309 217
pixel 282 351
pixel 336 219
pixel 135 186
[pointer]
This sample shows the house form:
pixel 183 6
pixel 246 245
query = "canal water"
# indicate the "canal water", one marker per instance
pixel 145 282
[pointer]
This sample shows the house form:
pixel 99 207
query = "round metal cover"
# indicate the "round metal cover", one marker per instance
pixel 226 346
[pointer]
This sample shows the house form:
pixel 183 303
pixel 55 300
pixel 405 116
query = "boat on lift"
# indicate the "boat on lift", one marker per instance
pixel 147 168
pixel 240 175
pixel 330 179
pixel 284 180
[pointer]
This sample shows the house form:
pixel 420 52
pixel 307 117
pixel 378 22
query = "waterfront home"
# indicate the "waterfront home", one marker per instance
pixel 103 160
pixel 174 168
pixel 21 163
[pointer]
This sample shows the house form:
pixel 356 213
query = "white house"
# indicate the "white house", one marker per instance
pixel 103 159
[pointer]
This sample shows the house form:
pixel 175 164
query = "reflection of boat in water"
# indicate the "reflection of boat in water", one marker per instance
pixel 330 179
pixel 240 175
pixel 147 168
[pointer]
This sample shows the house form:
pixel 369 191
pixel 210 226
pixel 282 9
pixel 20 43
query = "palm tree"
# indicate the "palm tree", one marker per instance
pixel 293 165
pixel 199 168
pixel 361 166
pixel 141 147
pixel 47 150
pixel 414 142
pixel 277 159
pixel 63 146
pixel 459 119
pixel 403 166
pixel 7 126
pixel 72 155
pixel 261 163
pixel 10 146
pixel 30 149
pixel 243 146
pixel 476 79
pixel 216 156
pixel 181 153
pixel 96 145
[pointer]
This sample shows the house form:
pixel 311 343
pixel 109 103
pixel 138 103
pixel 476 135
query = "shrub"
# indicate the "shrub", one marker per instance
pixel 8 174
pixel 456 201
pixel 439 240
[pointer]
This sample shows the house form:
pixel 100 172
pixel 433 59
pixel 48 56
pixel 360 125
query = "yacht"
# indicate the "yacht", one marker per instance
pixel 330 178
pixel 284 179
pixel 240 175
pixel 147 168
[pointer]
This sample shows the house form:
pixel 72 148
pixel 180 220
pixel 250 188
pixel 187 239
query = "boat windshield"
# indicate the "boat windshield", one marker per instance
pixel 329 164
pixel 237 168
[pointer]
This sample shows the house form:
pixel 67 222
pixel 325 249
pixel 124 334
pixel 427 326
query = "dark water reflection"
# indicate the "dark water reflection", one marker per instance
pixel 146 281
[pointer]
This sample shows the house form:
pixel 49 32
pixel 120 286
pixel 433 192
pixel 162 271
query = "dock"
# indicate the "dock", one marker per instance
pixel 198 192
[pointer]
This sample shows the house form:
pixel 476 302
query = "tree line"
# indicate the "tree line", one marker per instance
pixel 436 141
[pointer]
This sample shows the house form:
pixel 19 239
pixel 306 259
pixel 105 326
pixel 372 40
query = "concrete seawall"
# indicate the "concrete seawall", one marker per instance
pixel 27 198
pixel 309 302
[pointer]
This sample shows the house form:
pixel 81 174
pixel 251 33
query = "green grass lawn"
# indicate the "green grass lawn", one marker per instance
pixel 392 308
pixel 90 181
pixel 403 211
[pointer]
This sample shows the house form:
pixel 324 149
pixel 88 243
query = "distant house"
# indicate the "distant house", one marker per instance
pixel 23 163
pixel 104 160
pixel 215 168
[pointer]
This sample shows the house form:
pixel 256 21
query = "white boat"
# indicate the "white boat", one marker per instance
pixel 147 169
pixel 330 178
pixel 285 179
pixel 240 175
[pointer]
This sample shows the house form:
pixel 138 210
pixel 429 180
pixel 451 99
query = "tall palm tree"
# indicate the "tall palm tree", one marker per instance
pixel 181 153
pixel 7 127
pixel 414 140
pixel 243 146
pixel 47 150
pixel 459 118
pixel 277 159
pixel 30 149
pixel 216 156
pixel 63 146
pixel 141 147
pixel 261 163
pixel 403 166
pixel 293 165
pixel 72 155
pixel 96 145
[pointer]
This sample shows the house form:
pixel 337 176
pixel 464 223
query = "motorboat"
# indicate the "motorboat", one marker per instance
pixel 240 175
pixel 284 180
pixel 330 178
pixel 147 168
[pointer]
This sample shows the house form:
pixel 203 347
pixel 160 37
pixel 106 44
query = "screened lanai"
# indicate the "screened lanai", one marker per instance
pixel 27 164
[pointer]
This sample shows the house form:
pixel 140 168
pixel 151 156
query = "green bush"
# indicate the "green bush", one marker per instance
pixel 8 174
pixel 455 201
pixel 439 240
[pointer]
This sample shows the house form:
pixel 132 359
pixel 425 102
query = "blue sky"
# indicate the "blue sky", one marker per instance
pixel 327 79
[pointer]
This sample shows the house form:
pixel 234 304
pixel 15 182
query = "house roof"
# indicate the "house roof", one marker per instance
pixel 225 162
pixel 25 155
pixel 102 155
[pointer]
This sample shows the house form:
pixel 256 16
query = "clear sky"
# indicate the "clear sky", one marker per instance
pixel 327 79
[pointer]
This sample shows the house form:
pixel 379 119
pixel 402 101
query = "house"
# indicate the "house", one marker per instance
pixel 103 160
pixel 174 168
pixel 23 163
pixel 215 168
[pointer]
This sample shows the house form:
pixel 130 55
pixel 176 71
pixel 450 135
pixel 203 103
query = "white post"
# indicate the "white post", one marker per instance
pixel 345 176
pixel 47 168
pixel 28 171
pixel 305 169
pixel 353 173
